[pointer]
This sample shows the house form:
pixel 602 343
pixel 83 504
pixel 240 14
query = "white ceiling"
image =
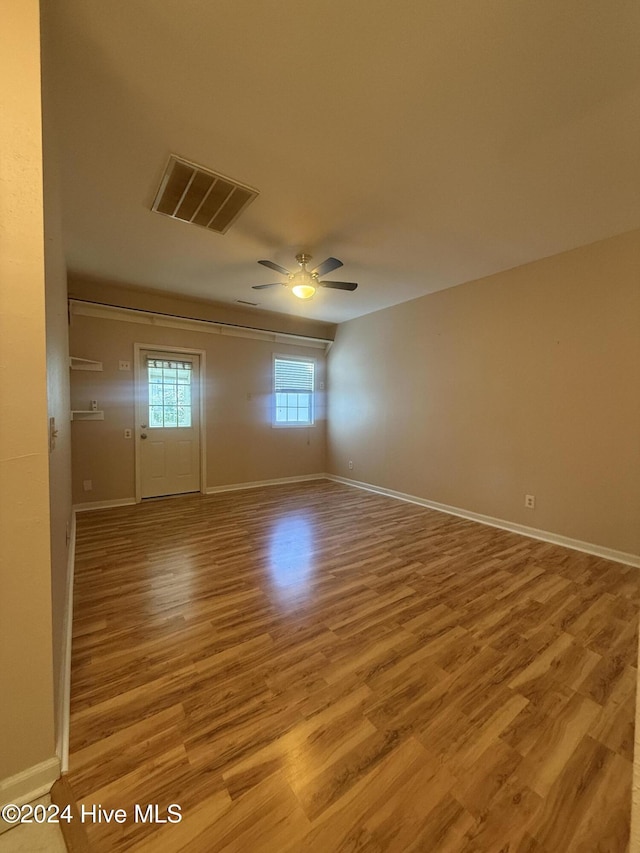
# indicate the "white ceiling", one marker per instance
pixel 424 143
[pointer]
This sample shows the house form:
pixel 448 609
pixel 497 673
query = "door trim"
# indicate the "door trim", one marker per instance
pixel 137 376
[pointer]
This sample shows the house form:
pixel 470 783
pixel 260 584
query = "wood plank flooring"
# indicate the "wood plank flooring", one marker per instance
pixel 312 667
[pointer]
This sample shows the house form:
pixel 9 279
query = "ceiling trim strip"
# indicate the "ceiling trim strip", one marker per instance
pixel 79 307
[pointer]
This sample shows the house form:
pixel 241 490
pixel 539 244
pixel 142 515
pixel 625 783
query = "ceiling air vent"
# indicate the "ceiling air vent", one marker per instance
pixel 196 195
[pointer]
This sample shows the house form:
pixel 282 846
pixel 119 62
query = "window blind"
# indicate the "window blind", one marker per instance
pixel 165 364
pixel 293 376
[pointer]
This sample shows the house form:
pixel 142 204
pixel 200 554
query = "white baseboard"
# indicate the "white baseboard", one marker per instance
pixel 533 532
pixel 256 484
pixel 64 692
pixel 85 507
pixel 30 784
pixel 523 530
pixel 210 490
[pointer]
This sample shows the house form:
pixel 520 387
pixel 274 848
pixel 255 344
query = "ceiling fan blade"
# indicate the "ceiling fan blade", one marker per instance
pixel 339 285
pixel 327 266
pixel 274 266
pixel 263 286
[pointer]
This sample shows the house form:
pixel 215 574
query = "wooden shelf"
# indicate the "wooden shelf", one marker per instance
pixel 84 364
pixel 86 415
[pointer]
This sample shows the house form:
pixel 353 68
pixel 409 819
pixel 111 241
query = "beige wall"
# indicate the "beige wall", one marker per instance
pixel 26 683
pixel 522 382
pixel 241 445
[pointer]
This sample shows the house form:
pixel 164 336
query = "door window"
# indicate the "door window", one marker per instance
pixel 169 393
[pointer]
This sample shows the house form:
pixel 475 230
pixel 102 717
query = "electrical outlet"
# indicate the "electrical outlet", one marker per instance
pixel 87 485
pixel 530 501
pixel 124 365
pixel 127 433
pixel 94 405
pixel 351 465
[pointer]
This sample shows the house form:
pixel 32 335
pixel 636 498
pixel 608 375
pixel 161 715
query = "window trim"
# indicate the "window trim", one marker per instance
pixel 186 364
pixel 292 424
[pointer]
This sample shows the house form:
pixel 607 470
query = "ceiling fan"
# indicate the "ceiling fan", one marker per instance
pixel 304 282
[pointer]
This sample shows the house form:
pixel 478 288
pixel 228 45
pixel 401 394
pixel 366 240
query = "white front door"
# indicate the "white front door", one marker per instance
pixel 168 428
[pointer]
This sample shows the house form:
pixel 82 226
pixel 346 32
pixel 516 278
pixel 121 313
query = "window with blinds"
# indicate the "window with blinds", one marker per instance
pixel 169 393
pixel 293 384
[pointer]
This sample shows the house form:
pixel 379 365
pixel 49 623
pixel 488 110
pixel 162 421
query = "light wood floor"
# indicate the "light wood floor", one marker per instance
pixel 318 668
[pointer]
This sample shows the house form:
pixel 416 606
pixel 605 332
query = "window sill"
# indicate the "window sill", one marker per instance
pixel 292 426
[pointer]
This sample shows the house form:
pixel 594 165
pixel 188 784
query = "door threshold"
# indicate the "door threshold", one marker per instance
pixel 175 495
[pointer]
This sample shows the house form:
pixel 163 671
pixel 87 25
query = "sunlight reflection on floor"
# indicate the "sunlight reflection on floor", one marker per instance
pixel 291 561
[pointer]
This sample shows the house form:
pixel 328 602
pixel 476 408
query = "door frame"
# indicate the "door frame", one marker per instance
pixel 138 414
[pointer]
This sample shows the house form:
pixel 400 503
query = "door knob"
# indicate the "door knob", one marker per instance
pixel 143 435
pixel 144 426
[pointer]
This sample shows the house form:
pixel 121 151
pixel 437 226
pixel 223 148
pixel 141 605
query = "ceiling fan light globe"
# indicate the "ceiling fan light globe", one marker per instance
pixel 303 291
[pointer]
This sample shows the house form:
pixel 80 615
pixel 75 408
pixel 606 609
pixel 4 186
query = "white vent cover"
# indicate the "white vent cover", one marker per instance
pixel 193 194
